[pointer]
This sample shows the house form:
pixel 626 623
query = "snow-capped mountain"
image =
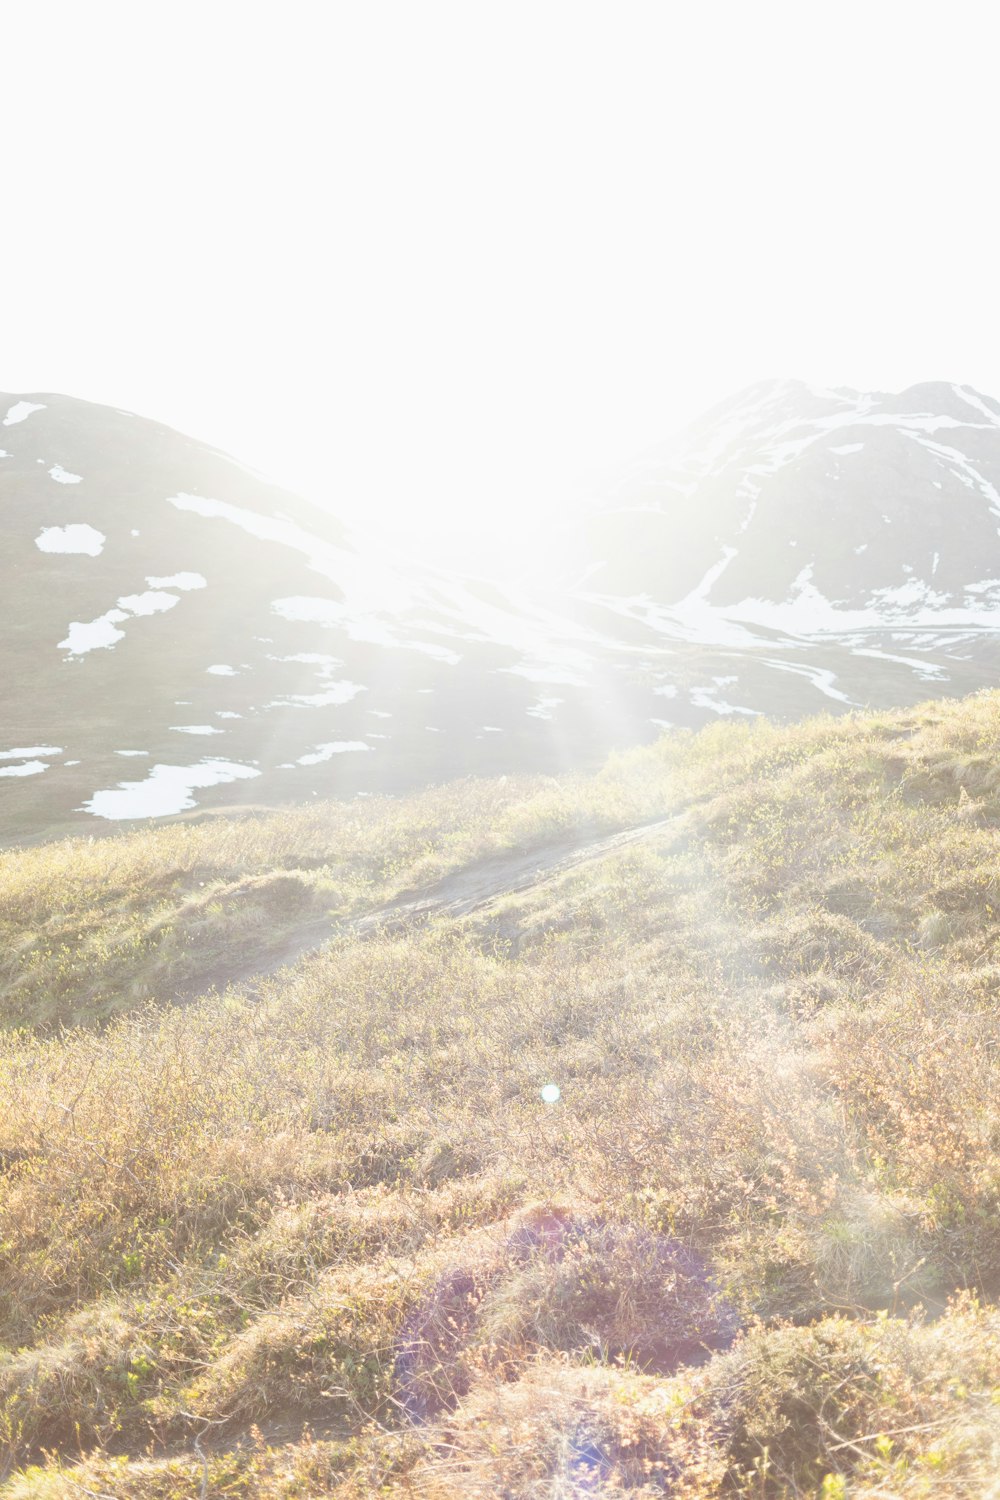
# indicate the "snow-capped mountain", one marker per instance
pixel 178 632
pixel 807 509
pixel 848 539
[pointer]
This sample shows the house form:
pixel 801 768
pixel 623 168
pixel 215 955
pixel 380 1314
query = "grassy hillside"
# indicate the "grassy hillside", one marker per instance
pixel 318 1232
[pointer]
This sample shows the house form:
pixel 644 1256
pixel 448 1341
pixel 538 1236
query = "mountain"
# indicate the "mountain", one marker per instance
pixel 826 503
pixel 178 632
pixel 849 539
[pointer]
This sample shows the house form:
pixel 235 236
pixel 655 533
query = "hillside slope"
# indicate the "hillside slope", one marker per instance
pixel 631 1179
pixel 180 634
pixel 847 501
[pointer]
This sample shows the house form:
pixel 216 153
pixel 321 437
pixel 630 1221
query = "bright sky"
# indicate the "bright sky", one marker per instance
pixel 439 264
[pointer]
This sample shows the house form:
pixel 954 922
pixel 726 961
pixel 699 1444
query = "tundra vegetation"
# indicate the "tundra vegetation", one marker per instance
pixel 319 1233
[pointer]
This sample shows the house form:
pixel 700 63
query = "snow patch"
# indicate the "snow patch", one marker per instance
pixel 927 670
pixel 311 658
pixel 334 693
pixel 20 410
pixel 439 653
pixel 702 698
pixel 358 626
pixel 166 790
pixel 818 676
pixel 94 635
pixel 85 540
pixel 195 729
pixel 30 768
pixel 63 476
pixel 326 752
pixel 540 672
pixel 807 610
pixel 364 586
pixel 182 581
pixel 221 670
pixel 966 472
pixel 542 708
pixel 151 603
pixel 909 594
pixel 32 750
pixel 970 397
pixel 749 516
pixel 699 595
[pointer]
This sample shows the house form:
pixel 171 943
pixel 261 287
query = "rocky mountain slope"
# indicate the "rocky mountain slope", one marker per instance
pixel 179 632
pixel 849 539
pixel 829 504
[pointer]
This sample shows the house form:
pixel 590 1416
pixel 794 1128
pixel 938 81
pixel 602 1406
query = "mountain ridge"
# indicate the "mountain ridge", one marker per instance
pixel 182 633
pixel 766 446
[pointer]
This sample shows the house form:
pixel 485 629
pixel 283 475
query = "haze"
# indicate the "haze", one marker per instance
pixel 440 266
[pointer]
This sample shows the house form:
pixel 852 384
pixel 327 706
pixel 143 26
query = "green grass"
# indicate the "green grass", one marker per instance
pixel 246 1241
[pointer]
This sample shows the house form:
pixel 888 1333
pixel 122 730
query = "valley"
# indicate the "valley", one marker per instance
pixel 182 635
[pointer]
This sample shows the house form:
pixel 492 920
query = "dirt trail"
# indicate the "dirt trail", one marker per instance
pixel 455 895
pixel 478 884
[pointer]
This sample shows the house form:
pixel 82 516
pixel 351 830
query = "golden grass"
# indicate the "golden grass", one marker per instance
pixel 334 1198
pixel 89 928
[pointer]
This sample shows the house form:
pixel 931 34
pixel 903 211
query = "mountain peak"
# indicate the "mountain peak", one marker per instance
pixel 789 495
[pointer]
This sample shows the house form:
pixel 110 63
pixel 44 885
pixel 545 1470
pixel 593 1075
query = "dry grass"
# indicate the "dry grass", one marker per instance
pixel 89 928
pixel 336 1201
